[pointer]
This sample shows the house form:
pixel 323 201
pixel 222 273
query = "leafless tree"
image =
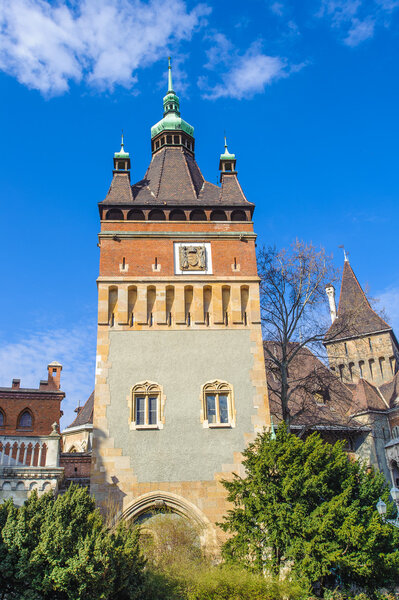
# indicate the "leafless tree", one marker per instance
pixel 294 313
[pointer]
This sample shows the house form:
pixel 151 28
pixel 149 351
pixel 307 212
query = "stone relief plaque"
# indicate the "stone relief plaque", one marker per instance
pixel 192 258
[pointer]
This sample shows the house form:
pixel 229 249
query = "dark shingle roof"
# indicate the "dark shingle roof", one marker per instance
pixel 311 380
pixel 390 391
pixel 120 191
pixel 355 316
pixel 367 397
pixel 173 177
pixel 85 413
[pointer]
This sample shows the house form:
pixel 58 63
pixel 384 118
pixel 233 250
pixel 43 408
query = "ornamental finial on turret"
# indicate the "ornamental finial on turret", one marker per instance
pixel 227 161
pixel 170 84
pixel 122 158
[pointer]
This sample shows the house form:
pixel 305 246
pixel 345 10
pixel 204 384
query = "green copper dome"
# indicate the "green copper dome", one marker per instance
pixel 226 154
pixel 121 153
pixel 171 112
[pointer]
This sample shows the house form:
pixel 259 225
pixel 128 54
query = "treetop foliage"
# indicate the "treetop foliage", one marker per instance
pixel 305 507
pixel 60 549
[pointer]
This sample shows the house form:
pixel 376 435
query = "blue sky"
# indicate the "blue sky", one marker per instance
pixel 308 93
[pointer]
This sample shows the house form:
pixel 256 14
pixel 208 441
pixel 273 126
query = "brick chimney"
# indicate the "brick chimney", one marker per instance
pixel 16 384
pixel 54 374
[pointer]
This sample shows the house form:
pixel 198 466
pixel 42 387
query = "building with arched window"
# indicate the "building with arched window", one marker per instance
pixel 29 437
pixel 180 377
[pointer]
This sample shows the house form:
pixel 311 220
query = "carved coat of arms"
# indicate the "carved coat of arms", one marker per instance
pixel 192 258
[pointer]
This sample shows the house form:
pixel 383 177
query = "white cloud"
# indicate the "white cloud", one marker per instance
pixel 47 45
pixel 360 31
pixel 27 357
pixel 389 301
pixel 356 20
pixel 245 75
pixel 277 8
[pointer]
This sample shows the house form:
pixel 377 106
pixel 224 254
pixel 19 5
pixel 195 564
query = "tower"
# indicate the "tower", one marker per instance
pixel 359 343
pixel 180 376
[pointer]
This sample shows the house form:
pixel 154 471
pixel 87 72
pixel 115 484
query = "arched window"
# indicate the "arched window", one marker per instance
pixel 197 215
pixel 177 215
pixel 114 215
pixel 2 418
pixel 146 406
pixel 395 431
pixel 218 404
pixel 25 419
pixel 238 215
pixel 218 215
pixel 156 215
pixel 135 215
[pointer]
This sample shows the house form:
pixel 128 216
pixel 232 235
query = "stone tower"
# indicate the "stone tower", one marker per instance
pixel 180 376
pixel 359 343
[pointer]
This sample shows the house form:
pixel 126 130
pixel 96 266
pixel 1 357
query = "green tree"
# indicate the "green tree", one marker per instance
pixel 306 506
pixel 59 548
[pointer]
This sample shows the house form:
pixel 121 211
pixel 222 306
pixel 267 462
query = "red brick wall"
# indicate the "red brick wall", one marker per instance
pixel 76 465
pixel 45 410
pixel 140 253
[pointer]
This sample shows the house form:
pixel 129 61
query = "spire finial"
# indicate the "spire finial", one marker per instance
pixel 225 144
pixel 170 85
pixel 345 253
pixel 122 144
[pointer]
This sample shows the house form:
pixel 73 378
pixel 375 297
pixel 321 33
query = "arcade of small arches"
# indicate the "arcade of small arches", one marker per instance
pixel 176 214
pixel 23 486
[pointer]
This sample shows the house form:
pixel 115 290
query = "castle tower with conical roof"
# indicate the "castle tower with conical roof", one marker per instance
pixel 359 343
pixel 180 378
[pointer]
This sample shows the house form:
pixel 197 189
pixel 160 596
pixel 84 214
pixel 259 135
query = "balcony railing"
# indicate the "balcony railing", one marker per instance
pixel 18 452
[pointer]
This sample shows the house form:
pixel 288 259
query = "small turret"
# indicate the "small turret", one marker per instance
pixel 121 159
pixel 227 163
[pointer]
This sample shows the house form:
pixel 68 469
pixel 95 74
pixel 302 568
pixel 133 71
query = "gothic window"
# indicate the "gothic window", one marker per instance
pixel 351 370
pixel 2 419
pixel 25 419
pixel 146 406
pixel 395 431
pixel 371 365
pixel 361 366
pixel 218 404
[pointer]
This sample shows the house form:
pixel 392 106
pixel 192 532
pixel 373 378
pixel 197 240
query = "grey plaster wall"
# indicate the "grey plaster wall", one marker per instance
pixel 180 361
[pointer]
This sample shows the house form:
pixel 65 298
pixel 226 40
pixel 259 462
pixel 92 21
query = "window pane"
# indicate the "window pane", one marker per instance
pixel 223 409
pixel 152 410
pixel 1 418
pixel 211 408
pixel 25 420
pixel 140 410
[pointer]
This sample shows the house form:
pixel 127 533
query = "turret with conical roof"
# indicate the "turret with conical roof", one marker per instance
pixel 360 343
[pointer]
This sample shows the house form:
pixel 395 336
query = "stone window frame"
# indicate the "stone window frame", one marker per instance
pixel 147 388
pixel 217 387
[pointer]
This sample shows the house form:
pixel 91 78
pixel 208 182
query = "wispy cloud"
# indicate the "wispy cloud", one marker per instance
pixel 27 357
pixel 244 74
pixel 356 20
pixel 48 45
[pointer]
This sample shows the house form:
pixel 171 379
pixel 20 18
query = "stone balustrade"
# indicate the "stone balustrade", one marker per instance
pixel 29 463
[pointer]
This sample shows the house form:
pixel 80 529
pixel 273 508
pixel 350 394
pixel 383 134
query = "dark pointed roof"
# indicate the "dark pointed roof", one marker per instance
pixel 367 397
pixel 85 413
pixel 174 178
pixel 390 391
pixel 309 380
pixel 120 191
pixel 355 317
